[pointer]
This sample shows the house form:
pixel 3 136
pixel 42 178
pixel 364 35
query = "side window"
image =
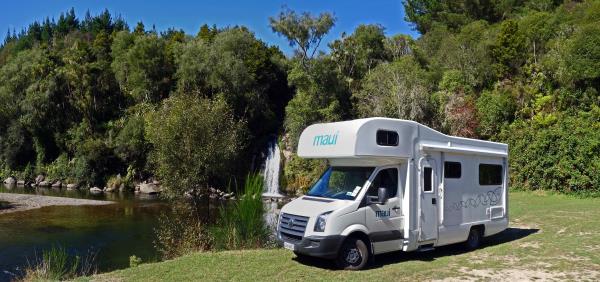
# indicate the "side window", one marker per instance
pixel 427 179
pixel 387 178
pixel 387 138
pixel 452 170
pixel 490 174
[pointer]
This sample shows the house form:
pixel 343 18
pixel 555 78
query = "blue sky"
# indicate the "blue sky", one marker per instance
pixel 190 15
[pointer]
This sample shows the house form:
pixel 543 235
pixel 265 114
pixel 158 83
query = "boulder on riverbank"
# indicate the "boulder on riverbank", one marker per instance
pixel 95 190
pixel 57 184
pixel 72 186
pixel 21 183
pixel 39 179
pixel 44 184
pixel 10 180
pixel 149 188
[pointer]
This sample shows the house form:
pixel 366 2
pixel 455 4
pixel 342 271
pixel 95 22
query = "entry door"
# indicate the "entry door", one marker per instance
pixel 428 180
pixel 385 220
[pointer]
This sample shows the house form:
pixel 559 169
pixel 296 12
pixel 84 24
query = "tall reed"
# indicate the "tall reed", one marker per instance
pixel 242 224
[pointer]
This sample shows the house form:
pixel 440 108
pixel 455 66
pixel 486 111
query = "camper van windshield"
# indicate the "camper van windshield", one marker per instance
pixel 341 182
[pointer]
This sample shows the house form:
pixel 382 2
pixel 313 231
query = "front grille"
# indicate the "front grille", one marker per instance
pixel 293 231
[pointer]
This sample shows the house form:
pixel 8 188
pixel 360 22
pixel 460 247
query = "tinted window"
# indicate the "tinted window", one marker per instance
pixel 452 170
pixel 387 178
pixel 387 138
pixel 427 179
pixel 490 174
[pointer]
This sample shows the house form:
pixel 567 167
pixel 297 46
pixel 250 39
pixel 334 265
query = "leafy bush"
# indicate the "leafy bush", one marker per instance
pixel 242 225
pixel 195 141
pixel 134 261
pixel 563 156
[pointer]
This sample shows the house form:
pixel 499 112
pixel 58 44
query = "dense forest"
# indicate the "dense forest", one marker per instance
pixel 86 99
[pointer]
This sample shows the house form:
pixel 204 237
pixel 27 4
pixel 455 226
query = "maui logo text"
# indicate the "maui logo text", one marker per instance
pixel 382 213
pixel 325 139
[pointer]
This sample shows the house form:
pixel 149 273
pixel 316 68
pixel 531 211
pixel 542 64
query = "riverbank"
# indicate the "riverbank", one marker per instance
pixel 22 202
pixel 551 237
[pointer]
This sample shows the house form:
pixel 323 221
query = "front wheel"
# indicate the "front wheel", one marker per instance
pixel 353 254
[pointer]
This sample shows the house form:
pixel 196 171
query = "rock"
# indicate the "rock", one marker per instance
pixel 10 180
pixel 156 182
pixel 72 186
pixel 57 184
pixel 228 195
pixel 44 184
pixel 149 188
pixel 109 189
pixel 232 198
pixel 95 190
pixel 137 187
pixel 212 190
pixel 21 182
pixel 39 179
pixel 122 187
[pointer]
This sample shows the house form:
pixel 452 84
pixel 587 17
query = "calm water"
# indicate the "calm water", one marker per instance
pixel 113 232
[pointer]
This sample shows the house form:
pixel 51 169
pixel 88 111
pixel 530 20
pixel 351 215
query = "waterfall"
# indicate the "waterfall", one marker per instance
pixel 271 172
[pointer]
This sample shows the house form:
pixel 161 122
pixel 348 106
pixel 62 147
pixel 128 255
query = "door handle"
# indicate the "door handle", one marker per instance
pixel 433 201
pixel 396 208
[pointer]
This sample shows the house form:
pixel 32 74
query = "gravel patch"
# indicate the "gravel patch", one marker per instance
pixel 23 202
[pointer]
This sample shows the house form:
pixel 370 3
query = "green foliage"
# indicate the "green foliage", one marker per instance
pixel 134 261
pixel 195 141
pixel 304 31
pixel 496 110
pixel 562 156
pixel 508 49
pixel 241 224
pixel 299 174
pixel 396 90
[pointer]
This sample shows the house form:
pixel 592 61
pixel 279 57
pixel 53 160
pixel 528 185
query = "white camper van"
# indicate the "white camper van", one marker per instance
pixel 394 185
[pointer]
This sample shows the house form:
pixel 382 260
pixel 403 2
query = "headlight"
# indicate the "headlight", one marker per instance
pixel 321 222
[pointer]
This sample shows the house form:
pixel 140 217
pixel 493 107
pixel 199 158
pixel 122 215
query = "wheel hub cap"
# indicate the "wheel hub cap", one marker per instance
pixel 353 256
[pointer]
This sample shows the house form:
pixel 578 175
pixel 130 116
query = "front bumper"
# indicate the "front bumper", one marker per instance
pixel 317 246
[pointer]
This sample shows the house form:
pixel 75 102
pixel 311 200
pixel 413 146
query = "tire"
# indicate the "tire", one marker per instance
pixel 353 254
pixel 474 239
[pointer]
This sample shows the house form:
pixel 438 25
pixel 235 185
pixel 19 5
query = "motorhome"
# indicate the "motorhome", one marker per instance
pixel 394 185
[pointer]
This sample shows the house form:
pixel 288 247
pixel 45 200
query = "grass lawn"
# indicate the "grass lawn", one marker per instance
pixel 550 237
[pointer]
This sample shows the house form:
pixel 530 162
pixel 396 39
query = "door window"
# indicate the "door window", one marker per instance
pixel 427 179
pixel 387 178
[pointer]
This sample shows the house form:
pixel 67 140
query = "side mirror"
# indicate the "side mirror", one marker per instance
pixel 382 195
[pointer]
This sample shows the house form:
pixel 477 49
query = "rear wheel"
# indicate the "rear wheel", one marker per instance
pixel 474 240
pixel 353 255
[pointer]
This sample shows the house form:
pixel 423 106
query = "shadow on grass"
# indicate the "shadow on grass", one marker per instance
pixel 508 235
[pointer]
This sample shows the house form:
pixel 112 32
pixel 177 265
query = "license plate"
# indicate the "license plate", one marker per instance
pixel 288 246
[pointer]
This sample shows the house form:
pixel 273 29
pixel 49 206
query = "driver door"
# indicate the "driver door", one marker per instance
pixel 385 220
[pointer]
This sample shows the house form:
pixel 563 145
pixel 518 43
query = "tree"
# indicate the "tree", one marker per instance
pixel 195 141
pixel 509 49
pixel 360 52
pixel 397 90
pixel 304 31
pixel 142 66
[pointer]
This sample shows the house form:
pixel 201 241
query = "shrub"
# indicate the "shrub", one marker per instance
pixel 134 261
pixel 563 156
pixel 196 142
pixel 242 225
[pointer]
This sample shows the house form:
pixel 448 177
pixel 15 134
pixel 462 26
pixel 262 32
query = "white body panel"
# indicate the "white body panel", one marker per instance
pixel 438 213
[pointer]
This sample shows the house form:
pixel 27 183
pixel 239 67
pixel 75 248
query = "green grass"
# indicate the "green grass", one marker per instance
pixel 550 237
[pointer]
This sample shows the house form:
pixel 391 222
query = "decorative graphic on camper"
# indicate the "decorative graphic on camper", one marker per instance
pixel 326 139
pixel 490 198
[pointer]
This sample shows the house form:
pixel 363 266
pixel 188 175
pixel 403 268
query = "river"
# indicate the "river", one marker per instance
pixel 112 232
